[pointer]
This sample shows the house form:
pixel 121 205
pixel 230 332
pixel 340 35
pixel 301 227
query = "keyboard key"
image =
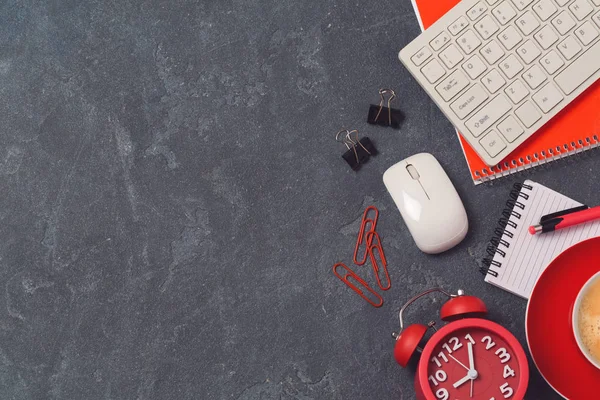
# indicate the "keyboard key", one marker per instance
pixel 517 91
pixel 569 48
pixel 468 102
pixel 486 27
pixel 527 23
pixel 564 22
pixel 596 2
pixel 521 4
pixel 477 11
pixel 492 144
pixel 458 26
pixel 474 67
pixel 545 9
pixel 581 9
pixel 528 114
pixel 440 41
pixel 528 52
pixel 487 116
pixel 586 33
pixel 510 38
pixel 510 129
pixel 596 18
pixel 492 52
pixel 547 98
pixel 563 3
pixel 504 13
pixel 421 56
pixel 534 77
pixel 469 42
pixel 546 37
pixel 552 62
pixel 511 66
pixel 493 81
pixel 433 71
pixel 452 85
pixel 492 2
pixel 451 56
pixel 580 71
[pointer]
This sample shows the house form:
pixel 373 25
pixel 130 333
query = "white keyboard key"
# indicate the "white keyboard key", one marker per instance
pixel 563 3
pixel 534 77
pixel 451 56
pixel 564 22
pixel 581 9
pixel 477 11
pixel 511 66
pixel 545 9
pixel 510 129
pixel 492 144
pixel 458 26
pixel 510 38
pixel 580 71
pixel 528 114
pixel 517 91
pixel 552 62
pixel 492 52
pixel 522 4
pixel 433 71
pixel 493 81
pixel 596 2
pixel 504 13
pixel 596 18
pixel 586 33
pixel 547 98
pixel 452 85
pixel 486 27
pixel 569 47
pixel 421 56
pixel 469 42
pixel 528 52
pixel 440 41
pixel 474 67
pixel 546 37
pixel 527 23
pixel 468 102
pixel 487 116
pixel 492 2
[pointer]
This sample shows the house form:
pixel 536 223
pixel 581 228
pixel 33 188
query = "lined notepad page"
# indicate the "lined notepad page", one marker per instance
pixel 527 256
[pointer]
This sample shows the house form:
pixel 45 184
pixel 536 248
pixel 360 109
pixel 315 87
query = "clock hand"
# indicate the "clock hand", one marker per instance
pixel 461 364
pixel 471 360
pixel 472 380
pixel 460 382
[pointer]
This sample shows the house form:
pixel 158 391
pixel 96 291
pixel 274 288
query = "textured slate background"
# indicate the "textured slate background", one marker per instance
pixel 173 200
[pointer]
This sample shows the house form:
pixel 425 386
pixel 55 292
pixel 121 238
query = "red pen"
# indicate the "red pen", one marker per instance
pixel 565 219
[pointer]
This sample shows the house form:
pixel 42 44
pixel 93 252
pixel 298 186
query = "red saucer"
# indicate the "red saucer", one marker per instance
pixel 549 327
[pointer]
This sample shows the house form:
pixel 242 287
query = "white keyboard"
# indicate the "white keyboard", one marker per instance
pixel 501 69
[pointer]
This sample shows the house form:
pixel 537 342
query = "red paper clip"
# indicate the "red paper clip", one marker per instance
pixel 352 274
pixel 362 234
pixel 376 245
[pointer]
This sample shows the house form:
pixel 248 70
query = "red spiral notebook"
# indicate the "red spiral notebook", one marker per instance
pixel 574 130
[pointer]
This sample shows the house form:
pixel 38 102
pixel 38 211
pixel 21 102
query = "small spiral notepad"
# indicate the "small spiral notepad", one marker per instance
pixel 516 258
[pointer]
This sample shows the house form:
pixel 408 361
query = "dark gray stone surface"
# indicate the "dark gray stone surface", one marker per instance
pixel 173 200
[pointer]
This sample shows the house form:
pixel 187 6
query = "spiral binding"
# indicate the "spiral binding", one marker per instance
pixel 538 158
pixel 513 205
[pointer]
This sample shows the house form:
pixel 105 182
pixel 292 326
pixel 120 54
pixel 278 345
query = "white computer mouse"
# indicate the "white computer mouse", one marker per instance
pixel 428 202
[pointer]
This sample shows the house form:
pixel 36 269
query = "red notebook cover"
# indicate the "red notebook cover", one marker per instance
pixel 573 130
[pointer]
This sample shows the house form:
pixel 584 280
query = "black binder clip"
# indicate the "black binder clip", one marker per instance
pixel 377 114
pixel 359 150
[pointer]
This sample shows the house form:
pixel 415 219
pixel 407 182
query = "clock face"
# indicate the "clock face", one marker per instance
pixel 473 363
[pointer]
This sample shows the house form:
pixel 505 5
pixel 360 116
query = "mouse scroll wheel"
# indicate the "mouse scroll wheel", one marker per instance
pixel 412 171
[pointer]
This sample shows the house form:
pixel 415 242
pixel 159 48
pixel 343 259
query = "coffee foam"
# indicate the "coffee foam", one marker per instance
pixel 589 320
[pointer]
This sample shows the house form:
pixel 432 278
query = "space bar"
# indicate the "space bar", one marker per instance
pixel 580 71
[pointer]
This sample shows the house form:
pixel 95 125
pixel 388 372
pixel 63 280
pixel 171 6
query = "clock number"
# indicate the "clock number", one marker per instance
pixel 508 371
pixel 506 390
pixel 442 394
pixel 469 338
pixel 436 361
pixel 457 344
pixel 440 376
pixel 443 356
pixel 490 343
pixel 448 349
pixel 503 354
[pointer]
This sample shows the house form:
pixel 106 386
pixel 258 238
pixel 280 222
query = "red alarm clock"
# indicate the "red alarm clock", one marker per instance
pixel 468 358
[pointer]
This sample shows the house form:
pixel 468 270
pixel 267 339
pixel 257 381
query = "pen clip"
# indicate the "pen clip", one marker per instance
pixel 544 219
